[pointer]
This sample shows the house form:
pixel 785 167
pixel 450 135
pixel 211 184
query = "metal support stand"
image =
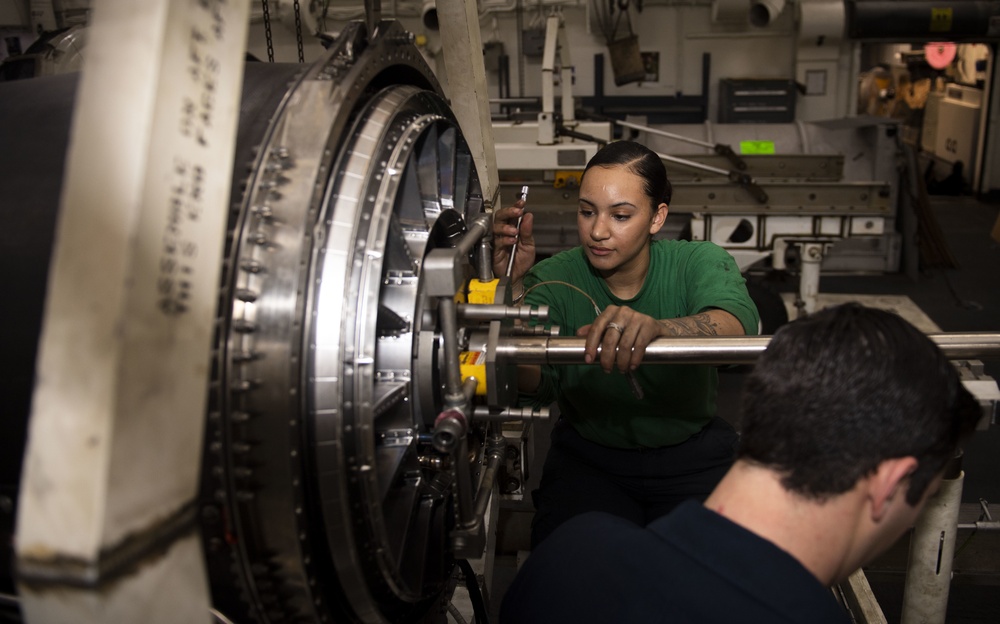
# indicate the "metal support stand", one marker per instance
pixel 812 258
pixel 932 549
pixel 555 61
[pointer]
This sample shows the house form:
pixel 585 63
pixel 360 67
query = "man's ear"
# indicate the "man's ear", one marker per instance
pixel 888 483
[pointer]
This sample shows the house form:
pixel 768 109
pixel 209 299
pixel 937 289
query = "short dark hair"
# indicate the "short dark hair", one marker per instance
pixel 641 161
pixel 836 393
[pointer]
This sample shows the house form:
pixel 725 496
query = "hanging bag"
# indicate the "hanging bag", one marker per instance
pixel 626 60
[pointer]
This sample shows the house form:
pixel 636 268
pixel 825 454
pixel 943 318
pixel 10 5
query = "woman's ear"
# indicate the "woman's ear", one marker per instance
pixel 659 218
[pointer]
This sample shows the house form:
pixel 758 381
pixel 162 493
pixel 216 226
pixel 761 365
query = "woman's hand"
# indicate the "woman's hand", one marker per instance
pixel 623 335
pixel 505 230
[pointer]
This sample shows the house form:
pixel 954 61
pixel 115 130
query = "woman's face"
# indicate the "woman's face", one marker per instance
pixel 615 219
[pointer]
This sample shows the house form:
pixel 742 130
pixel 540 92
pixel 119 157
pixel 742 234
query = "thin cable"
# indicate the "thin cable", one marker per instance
pixel 597 309
pixel 965 543
pixel 637 391
pixel 603 18
pixel 481 615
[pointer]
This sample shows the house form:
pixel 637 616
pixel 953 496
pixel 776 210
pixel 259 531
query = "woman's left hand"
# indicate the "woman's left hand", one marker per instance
pixel 623 335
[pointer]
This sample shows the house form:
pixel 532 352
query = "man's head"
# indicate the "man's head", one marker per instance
pixel 836 394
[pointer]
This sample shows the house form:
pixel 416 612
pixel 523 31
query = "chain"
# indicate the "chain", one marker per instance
pixel 298 30
pixel 267 31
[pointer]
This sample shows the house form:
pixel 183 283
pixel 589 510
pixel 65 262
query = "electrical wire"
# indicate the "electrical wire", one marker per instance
pixel 597 309
pixel 323 15
pixel 603 15
pixel 475 593
pixel 965 543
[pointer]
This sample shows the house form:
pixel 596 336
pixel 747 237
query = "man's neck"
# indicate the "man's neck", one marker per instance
pixel 818 534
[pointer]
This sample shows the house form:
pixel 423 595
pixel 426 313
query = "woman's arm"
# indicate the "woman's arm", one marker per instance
pixel 708 323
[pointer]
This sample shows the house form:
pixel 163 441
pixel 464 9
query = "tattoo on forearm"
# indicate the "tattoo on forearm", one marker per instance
pixel 696 325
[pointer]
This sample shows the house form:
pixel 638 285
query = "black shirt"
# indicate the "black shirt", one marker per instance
pixel 692 565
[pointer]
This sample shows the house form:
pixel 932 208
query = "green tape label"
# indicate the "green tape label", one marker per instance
pixel 756 147
pixel 941 20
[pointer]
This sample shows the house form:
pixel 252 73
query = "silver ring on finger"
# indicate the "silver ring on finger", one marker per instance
pixel 620 328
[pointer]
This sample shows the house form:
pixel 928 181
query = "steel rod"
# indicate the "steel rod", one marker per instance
pixel 454 396
pixel 663 133
pixel 712 349
pixel 692 164
pixel 498 312
pixel 493 460
pixel 993 525
pixel 516 100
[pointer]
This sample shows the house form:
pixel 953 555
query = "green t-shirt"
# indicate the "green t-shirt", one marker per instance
pixel 684 278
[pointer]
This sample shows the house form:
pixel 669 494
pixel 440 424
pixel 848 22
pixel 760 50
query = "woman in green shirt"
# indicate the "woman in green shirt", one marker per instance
pixel 631 440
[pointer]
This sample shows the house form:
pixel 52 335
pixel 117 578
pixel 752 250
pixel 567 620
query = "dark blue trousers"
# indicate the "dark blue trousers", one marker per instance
pixel 638 484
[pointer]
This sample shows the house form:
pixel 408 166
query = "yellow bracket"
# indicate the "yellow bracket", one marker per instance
pixel 483 292
pixel 473 364
pixel 568 179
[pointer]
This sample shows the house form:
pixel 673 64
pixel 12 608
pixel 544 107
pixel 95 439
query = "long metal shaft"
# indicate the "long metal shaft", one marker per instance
pixel 712 349
pixel 693 164
pixel 663 133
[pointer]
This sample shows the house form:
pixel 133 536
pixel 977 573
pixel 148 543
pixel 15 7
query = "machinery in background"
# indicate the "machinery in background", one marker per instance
pixel 834 200
pixel 361 404
pixel 950 130
pixel 796 197
pixel 554 140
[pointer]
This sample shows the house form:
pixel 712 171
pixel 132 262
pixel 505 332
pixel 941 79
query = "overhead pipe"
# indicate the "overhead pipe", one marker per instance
pixel 763 12
pixel 713 349
pixel 923 20
pixel 429 15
